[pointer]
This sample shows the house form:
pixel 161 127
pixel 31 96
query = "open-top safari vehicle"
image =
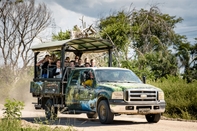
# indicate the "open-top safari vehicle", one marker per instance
pixel 114 91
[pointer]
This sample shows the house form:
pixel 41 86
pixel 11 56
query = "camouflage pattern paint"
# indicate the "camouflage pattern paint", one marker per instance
pixel 122 86
pixel 78 100
pixel 45 87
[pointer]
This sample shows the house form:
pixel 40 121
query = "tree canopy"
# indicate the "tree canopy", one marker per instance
pixel 158 51
pixel 150 34
pixel 61 35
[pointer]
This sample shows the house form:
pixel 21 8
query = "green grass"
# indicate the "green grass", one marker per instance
pixel 12 119
pixel 9 125
pixel 15 125
pixel 181 98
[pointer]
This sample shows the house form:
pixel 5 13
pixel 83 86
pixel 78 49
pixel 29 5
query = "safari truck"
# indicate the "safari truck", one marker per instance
pixel 113 91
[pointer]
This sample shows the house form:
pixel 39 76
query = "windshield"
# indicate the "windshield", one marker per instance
pixel 119 76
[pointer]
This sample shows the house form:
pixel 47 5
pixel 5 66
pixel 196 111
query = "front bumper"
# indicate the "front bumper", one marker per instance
pixel 122 107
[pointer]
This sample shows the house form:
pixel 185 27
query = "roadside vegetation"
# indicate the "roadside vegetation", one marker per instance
pixel 156 55
pixel 12 119
pixel 16 125
pixel 180 97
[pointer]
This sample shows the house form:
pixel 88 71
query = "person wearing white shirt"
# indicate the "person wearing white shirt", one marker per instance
pixel 57 72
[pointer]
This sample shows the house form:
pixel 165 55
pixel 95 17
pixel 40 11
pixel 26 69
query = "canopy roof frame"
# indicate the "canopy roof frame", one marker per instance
pixel 81 45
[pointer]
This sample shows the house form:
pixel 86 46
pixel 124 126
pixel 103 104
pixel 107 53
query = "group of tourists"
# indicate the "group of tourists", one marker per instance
pixel 77 62
pixel 51 66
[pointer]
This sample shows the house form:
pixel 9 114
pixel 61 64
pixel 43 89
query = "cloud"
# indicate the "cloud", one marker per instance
pixel 94 8
pixel 66 19
pixel 68 12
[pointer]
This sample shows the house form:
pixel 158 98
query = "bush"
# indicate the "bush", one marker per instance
pixel 10 125
pixel 13 109
pixel 180 97
pixel 15 125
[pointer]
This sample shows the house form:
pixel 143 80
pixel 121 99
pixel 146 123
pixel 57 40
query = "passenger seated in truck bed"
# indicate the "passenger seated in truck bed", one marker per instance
pixel 56 72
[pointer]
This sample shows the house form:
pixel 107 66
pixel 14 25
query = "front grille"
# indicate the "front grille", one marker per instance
pixel 137 95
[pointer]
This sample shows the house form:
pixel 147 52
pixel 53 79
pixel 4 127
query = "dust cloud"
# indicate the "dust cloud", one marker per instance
pixel 20 91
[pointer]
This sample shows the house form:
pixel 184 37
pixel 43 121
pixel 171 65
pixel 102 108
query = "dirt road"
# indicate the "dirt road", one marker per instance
pixel 121 123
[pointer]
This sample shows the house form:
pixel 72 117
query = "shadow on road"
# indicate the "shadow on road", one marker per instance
pixel 78 122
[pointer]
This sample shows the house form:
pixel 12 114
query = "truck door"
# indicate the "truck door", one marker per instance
pixel 79 97
pixel 72 90
pixel 86 92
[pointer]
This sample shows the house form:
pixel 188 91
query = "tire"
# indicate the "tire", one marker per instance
pixel 153 118
pixel 92 115
pixel 50 110
pixel 104 113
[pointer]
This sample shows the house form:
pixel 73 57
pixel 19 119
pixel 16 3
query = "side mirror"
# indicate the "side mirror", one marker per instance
pixel 144 79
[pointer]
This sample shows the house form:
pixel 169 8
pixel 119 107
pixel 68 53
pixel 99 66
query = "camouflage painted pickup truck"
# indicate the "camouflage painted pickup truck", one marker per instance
pixel 113 91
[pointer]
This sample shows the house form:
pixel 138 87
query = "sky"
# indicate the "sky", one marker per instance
pixel 67 13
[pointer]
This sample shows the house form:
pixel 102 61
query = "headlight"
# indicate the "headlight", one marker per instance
pixel 160 95
pixel 117 95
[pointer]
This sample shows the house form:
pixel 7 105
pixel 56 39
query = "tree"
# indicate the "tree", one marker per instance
pixel 153 36
pixel 194 54
pixel 162 64
pixel 194 60
pixel 152 30
pixel 61 35
pixel 187 55
pixel 20 23
pixel 116 28
pixel 150 33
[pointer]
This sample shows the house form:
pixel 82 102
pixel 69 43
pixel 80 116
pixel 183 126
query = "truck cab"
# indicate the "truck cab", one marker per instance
pixel 102 92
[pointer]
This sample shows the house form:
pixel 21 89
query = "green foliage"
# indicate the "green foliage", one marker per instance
pixel 62 35
pixel 13 109
pixel 153 65
pixel 150 33
pixel 151 44
pixel 10 125
pixel 41 122
pixel 16 125
pixel 152 30
pixel 180 97
pixel 161 64
pixel 187 55
pixel 116 27
pixel 18 1
pixel 134 65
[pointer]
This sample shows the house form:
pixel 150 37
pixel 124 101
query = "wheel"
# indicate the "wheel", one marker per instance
pixel 104 113
pixel 50 110
pixel 153 118
pixel 92 115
